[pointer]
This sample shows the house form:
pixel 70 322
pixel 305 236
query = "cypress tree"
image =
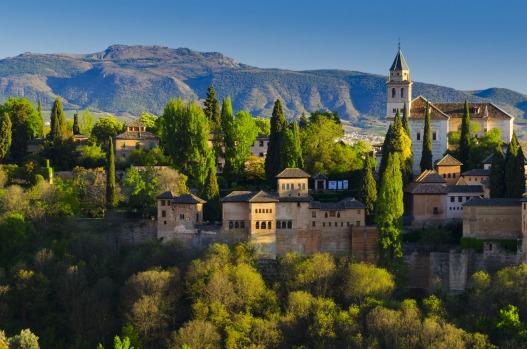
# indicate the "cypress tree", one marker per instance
pixel 303 121
pixel 288 156
pixel 464 140
pixel 514 169
pixel 5 135
pixel 211 193
pixel 426 156
pixel 408 164
pixel 368 191
pixel 406 125
pixel 272 160
pixel 297 145
pixel 212 108
pixel 110 176
pixel 394 141
pixel 56 120
pixel 497 174
pixel 76 128
pixel 229 140
pixel 39 110
pixel 390 211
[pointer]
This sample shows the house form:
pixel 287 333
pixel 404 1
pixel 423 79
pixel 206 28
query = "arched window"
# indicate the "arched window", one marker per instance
pixel 257 225
pixel 290 225
pixel 338 214
pixel 231 225
pixel 326 215
pixel 266 210
pixel 236 225
pixel 269 225
pixel 402 92
pixel 278 225
pixel 242 224
pixel 393 92
pixel 287 186
pixel 255 210
pixel 263 225
pixel 283 186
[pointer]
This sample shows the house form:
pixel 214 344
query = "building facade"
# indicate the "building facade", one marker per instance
pixel 135 137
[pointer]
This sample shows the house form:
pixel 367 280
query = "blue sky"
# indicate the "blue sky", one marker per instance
pixel 465 44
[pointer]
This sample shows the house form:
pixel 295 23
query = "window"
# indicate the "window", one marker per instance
pixel 402 92
pixel 181 216
pixel 299 186
pixel 257 225
pixel 338 214
pixel 357 223
pixel 298 204
pixel 261 143
pixel 255 210
pixel 266 210
pixel 434 136
pixel 444 175
pixel 290 225
pixel 163 213
pixel 162 202
pixel 270 210
pixel 348 224
pixel 287 186
pixel 394 110
pixel 314 213
pixel 242 224
pixel 269 225
pixel 449 175
pixel 452 199
pixel 459 199
pixel 261 155
pixel 418 136
pixel 341 224
pixel 326 214
pixel 165 222
pixel 313 223
pixel 303 186
pixel 453 175
pixel 283 186
pixel 393 92
pixel 231 224
pixel 332 213
pixel 236 225
pixel 263 225
pixel 436 210
pixel 323 224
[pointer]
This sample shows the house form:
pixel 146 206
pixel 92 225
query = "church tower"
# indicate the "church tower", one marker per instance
pixel 399 87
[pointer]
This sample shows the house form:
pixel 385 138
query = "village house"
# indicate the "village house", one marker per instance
pixel 258 149
pixel 135 137
pixel 178 216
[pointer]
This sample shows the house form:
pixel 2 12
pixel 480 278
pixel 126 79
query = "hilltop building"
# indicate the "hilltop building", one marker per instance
pixel 444 117
pixel 135 137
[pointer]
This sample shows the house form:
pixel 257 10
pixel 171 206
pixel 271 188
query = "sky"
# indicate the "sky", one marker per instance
pixel 464 44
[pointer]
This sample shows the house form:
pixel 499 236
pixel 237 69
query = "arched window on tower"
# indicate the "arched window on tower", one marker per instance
pixel 402 92
pixel 393 92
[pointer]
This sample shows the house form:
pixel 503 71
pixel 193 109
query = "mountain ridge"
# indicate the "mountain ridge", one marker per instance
pixel 126 79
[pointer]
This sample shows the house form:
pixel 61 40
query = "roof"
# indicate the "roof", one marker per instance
pixel 320 176
pixel 418 108
pixel 344 204
pixel 188 199
pixel 165 195
pixel 488 160
pixel 426 188
pixel 295 198
pixel 476 110
pixel 429 176
pixel 492 202
pixel 136 123
pixel 249 196
pixel 449 160
pixel 399 63
pixel 137 135
pixel 292 173
pixel 477 172
pixel 465 188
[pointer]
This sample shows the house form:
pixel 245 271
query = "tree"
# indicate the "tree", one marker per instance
pixel 211 194
pixel 25 340
pixel 5 135
pixel 186 133
pixel 57 121
pixel 389 211
pixel 497 175
pixel 514 169
pixel 76 128
pixel 291 151
pixel 363 280
pixel 368 190
pixel 240 134
pixel 397 140
pixel 151 122
pixel 405 123
pixel 212 108
pixel 264 126
pixel 464 141
pixel 105 128
pixel 272 160
pixel 303 121
pixel 87 122
pixel 426 155
pixel 111 198
pixel 25 125
pixel 39 110
pixel 197 334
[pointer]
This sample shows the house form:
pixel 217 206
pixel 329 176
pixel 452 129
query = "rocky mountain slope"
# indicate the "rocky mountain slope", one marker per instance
pixel 135 79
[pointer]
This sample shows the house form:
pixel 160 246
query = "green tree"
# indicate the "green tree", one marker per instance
pixel 464 141
pixel 212 108
pixel 186 133
pixel 111 196
pixel 426 155
pixel 105 128
pixel 151 122
pixel 25 125
pixel 5 135
pixel 272 160
pixel 57 121
pixel 397 140
pixel 211 194
pixel 76 128
pixel 87 122
pixel 303 121
pixel 39 111
pixel 514 169
pixel 25 340
pixel 264 126
pixel 404 121
pixel 197 334
pixel 389 211
pixel 368 190
pixel 363 280
pixel 497 175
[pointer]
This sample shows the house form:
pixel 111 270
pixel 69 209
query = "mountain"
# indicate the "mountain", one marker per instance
pixel 135 79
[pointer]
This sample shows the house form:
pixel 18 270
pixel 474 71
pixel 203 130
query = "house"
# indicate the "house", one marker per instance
pixel 425 199
pixel 444 117
pixel 449 168
pixel 476 176
pixel 258 149
pixel 135 137
pixel 178 216
pixel 459 194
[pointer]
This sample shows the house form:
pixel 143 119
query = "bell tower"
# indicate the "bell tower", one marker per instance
pixel 398 87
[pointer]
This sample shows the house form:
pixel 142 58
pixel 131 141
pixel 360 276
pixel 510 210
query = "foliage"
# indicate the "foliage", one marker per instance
pixel 426 155
pixel 87 122
pixel 25 340
pixel 514 169
pixel 57 122
pixel 25 125
pixel 464 140
pixel 186 134
pixel 91 156
pixel 151 122
pixel 105 128
pixel 5 135
pixel 148 157
pixel 211 194
pixel 197 334
pixel 368 190
pixel 212 108
pixel 497 175
pixel 397 140
pixel 264 126
pixel 273 157
pixel 362 281
pixel 389 211
pixel 76 128
pixel 111 197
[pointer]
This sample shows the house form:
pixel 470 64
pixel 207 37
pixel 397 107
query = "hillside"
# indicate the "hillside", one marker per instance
pixel 135 79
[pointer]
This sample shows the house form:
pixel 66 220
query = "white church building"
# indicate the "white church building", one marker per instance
pixel 444 117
